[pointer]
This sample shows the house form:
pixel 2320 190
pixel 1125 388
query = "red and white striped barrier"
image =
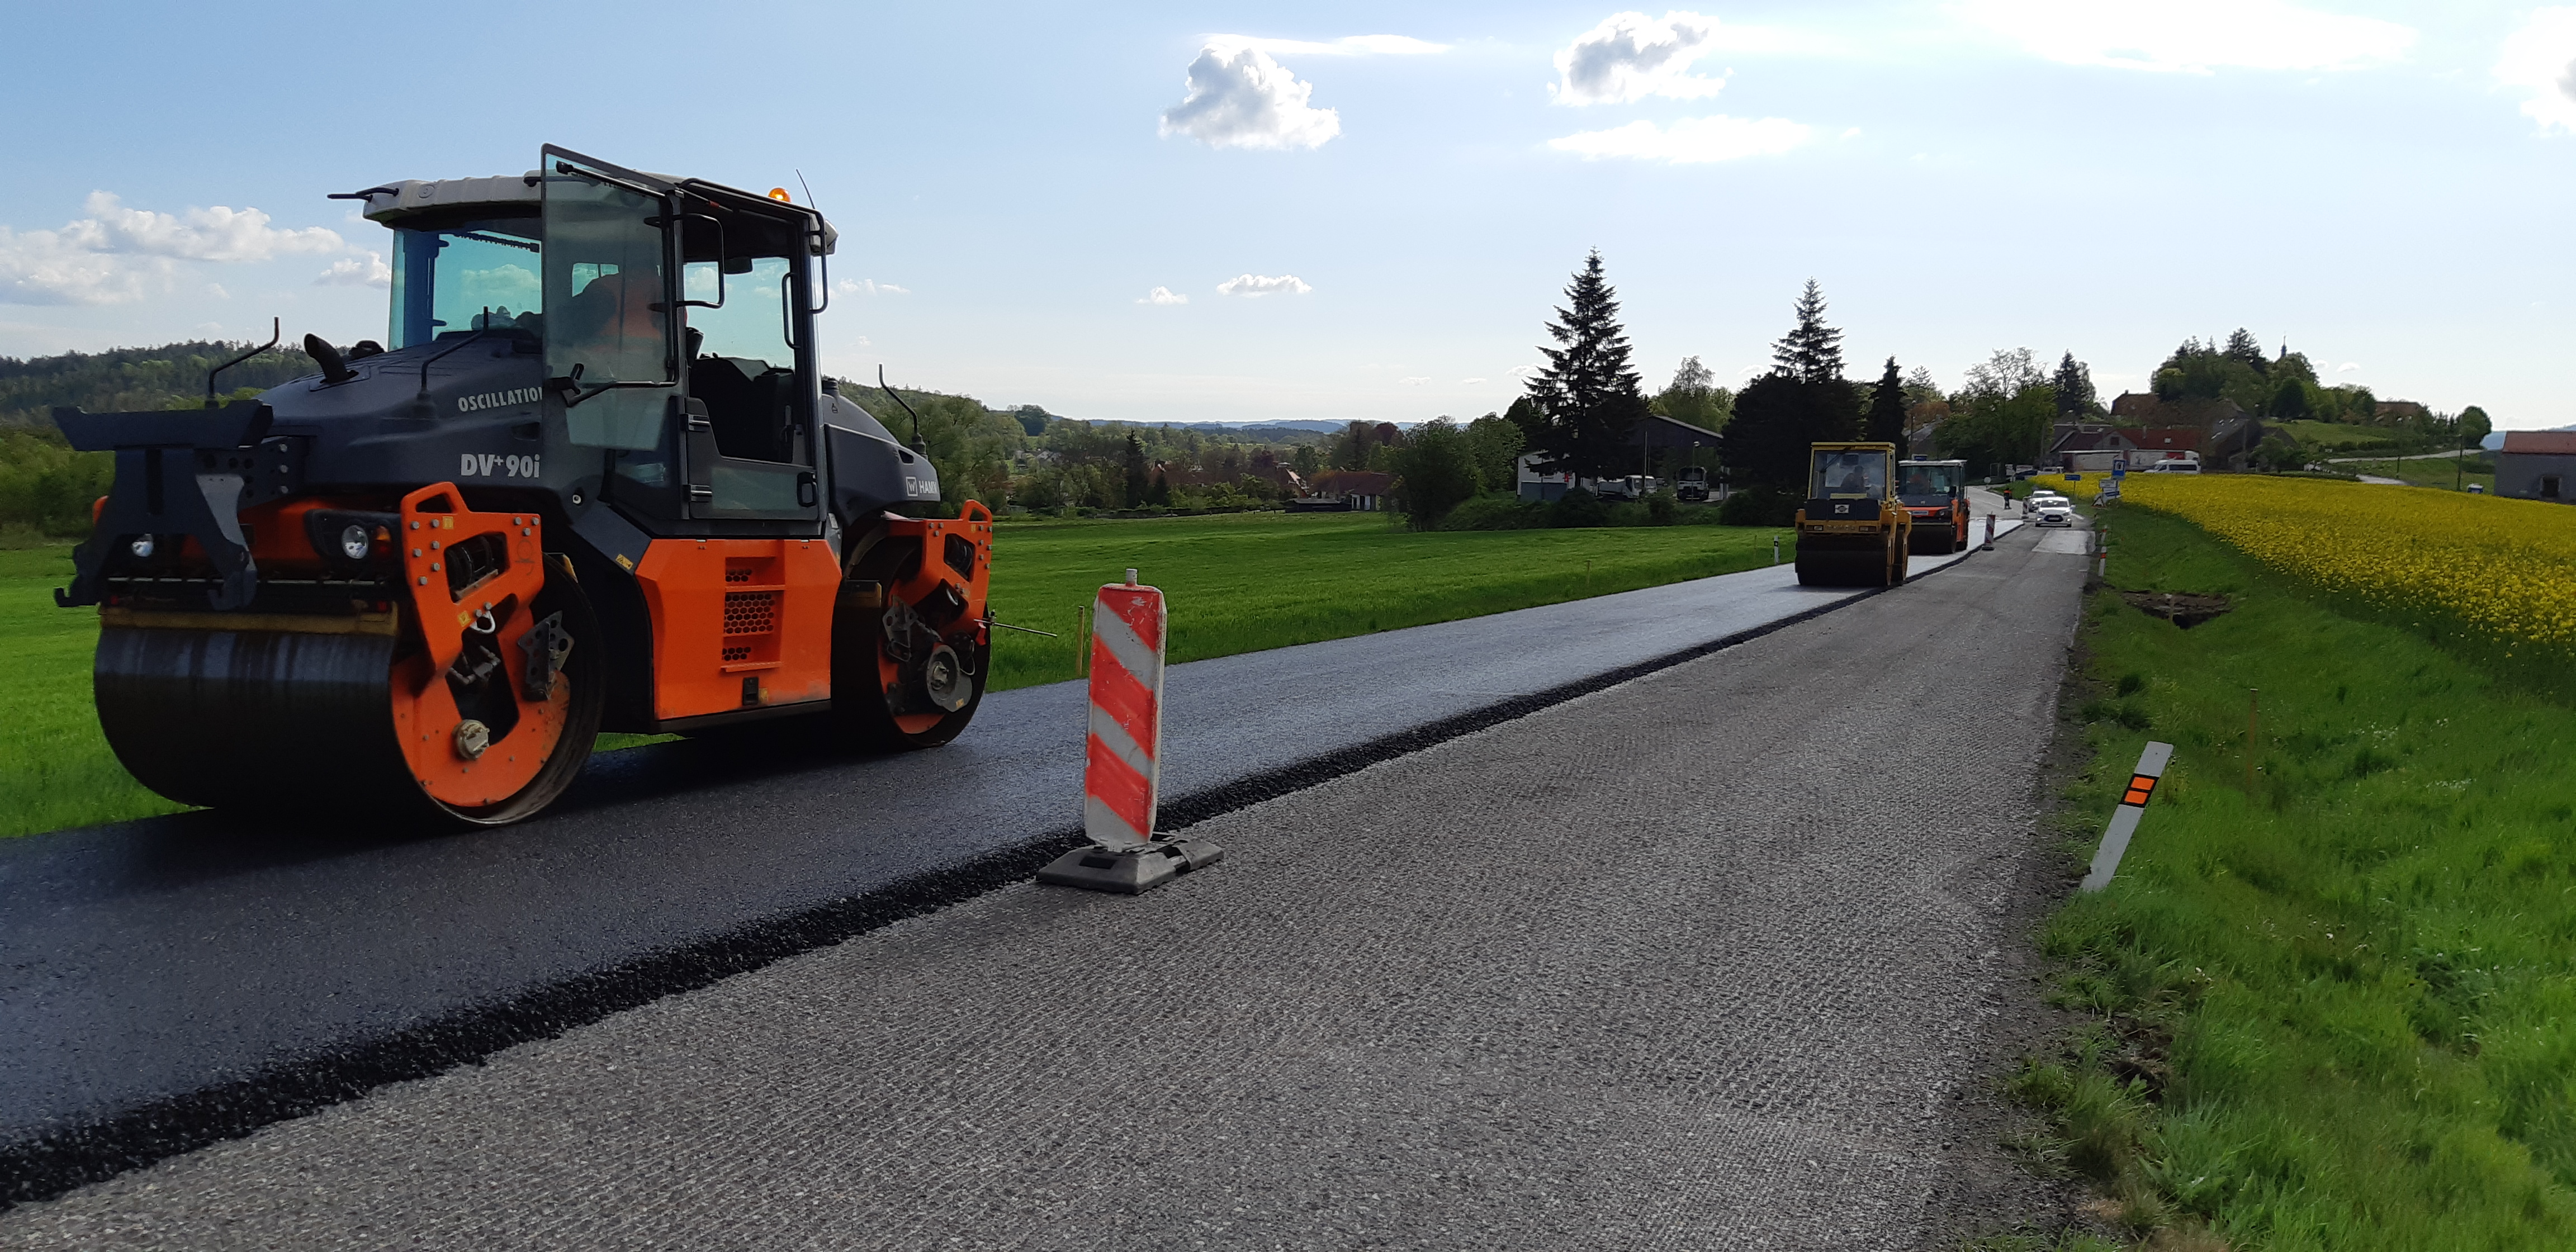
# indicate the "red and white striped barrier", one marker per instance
pixel 1122 754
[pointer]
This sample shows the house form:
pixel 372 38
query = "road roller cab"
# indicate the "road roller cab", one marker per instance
pixel 1936 493
pixel 1853 531
pixel 593 478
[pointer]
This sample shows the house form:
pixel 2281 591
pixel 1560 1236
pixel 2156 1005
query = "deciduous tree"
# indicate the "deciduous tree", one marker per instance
pixel 1496 445
pixel 1435 472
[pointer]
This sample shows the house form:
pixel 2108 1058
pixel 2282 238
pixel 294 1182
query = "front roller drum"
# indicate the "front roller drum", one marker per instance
pixel 1840 567
pixel 346 715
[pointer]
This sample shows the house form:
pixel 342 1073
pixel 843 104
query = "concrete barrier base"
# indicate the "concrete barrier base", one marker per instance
pixel 1130 871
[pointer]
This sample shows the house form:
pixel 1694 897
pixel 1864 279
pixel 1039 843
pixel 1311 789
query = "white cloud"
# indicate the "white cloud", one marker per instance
pixel 1525 372
pixel 116 254
pixel 352 272
pixel 1240 98
pixel 870 287
pixel 1347 45
pixel 1630 56
pixel 1689 140
pixel 1471 382
pixel 2347 367
pixel 1162 295
pixel 1251 285
pixel 216 234
pixel 2192 36
pixel 2540 58
pixel 1411 382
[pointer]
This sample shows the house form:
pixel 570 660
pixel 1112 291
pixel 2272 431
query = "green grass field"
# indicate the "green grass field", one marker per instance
pixel 1244 582
pixel 55 769
pixel 1235 583
pixel 2335 438
pixel 2442 474
pixel 2336 1009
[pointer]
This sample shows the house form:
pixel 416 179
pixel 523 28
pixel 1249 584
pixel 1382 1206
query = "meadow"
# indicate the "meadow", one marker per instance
pixel 2330 999
pixel 2489 573
pixel 1235 583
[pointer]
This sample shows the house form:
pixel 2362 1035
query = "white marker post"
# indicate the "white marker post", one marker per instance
pixel 2124 820
pixel 1989 544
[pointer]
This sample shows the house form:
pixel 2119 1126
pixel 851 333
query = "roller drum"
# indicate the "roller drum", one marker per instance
pixel 275 719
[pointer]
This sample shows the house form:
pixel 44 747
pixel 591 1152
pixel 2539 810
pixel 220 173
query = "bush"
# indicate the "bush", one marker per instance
pixel 1495 511
pixel 1759 506
pixel 47 487
pixel 1436 470
pixel 1660 508
pixel 1578 508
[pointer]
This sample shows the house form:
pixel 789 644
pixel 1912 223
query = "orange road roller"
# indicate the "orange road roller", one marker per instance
pixel 593 479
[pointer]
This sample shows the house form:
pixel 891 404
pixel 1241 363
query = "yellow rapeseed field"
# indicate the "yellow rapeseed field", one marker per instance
pixel 2506 568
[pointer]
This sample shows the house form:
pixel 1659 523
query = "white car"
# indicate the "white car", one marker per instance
pixel 2057 512
pixel 2031 504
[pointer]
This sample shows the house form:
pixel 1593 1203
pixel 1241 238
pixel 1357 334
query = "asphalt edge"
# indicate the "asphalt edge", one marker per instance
pixel 53 1164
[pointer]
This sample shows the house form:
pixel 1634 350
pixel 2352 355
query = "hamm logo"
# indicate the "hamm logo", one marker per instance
pixel 496 400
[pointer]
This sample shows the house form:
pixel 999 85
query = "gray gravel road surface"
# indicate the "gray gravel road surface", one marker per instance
pixel 155 959
pixel 1689 962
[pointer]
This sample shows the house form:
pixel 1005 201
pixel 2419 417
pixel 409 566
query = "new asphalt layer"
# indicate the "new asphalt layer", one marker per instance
pixel 1691 961
pixel 175 982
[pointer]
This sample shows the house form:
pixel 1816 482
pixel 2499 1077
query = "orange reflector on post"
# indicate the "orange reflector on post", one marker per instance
pixel 2124 819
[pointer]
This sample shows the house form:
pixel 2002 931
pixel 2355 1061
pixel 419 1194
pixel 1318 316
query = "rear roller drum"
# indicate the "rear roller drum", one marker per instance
pixel 335 719
pixel 902 677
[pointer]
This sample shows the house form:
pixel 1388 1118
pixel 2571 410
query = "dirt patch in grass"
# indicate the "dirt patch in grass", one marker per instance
pixel 2182 608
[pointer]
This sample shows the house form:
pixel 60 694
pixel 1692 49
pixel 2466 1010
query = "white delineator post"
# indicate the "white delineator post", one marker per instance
pixel 1122 754
pixel 2124 820
pixel 1989 544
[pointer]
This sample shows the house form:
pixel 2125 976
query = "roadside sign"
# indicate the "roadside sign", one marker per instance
pixel 2119 465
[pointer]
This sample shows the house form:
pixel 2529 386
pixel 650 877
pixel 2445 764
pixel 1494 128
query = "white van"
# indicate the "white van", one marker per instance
pixel 2172 467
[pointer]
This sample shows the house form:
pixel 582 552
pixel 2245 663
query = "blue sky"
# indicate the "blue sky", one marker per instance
pixel 2385 186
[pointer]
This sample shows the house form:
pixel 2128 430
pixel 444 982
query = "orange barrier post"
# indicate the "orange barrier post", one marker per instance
pixel 1122 753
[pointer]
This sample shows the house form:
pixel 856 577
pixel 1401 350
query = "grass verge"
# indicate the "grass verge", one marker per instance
pixel 1246 582
pixel 2334 1007
pixel 1237 583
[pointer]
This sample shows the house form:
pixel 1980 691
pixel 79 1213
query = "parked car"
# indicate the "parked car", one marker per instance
pixel 2057 512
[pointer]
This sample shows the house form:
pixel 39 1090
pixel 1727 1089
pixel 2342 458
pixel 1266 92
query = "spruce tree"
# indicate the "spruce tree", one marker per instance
pixel 1136 483
pixel 1812 352
pixel 2074 383
pixel 1887 409
pixel 1587 400
pixel 1803 400
pixel 2241 346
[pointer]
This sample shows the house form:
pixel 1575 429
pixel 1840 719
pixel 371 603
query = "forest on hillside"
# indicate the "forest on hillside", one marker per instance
pixel 1025 455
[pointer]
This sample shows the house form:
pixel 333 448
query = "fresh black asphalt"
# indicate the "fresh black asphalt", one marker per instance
pixel 173 982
